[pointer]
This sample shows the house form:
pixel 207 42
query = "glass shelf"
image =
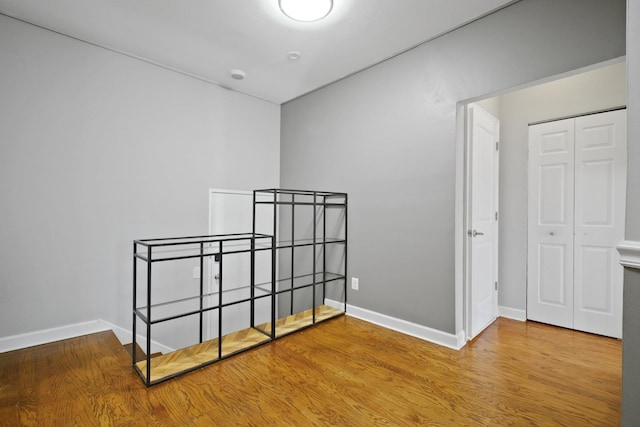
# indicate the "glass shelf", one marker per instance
pixel 302 281
pixel 307 242
pixel 183 307
pixel 300 198
pixel 173 253
pixel 201 246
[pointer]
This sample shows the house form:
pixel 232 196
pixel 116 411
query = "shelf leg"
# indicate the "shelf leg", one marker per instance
pixel 324 248
pixel 273 265
pixel 293 249
pixel 133 328
pixel 253 263
pixel 253 281
pixel 346 246
pixel 220 303
pixel 314 287
pixel 201 288
pixel 148 316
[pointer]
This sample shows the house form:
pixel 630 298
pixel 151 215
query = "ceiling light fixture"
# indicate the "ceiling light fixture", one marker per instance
pixel 306 10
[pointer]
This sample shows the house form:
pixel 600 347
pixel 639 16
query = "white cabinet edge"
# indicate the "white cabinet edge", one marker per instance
pixel 629 253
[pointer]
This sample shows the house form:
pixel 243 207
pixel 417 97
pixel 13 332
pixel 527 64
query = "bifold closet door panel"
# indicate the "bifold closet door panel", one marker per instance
pixel 550 229
pixel 600 186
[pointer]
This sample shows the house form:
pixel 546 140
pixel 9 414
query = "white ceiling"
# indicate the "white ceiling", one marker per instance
pixel 208 38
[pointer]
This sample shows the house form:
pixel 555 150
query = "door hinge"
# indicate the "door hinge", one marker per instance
pixel 496 285
pixel 496 216
pixel 497 145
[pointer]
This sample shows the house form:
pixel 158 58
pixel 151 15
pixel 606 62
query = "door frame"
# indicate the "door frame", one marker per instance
pixel 460 194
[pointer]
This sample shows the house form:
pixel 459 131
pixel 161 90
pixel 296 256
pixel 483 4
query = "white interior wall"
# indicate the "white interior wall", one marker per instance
pixel 491 106
pixel 583 93
pixel 98 149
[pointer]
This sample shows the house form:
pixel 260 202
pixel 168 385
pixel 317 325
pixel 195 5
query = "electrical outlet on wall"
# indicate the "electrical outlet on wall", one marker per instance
pixel 355 283
pixel 196 272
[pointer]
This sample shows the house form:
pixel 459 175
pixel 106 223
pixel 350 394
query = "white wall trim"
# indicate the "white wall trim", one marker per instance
pixel 337 305
pixel 629 253
pixel 46 336
pixel 512 313
pixel 460 280
pixel 435 336
pixel 124 336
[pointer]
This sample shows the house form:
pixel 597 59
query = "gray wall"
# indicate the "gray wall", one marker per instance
pixel 388 137
pixel 631 315
pixel 583 93
pixel 97 149
pixel 631 349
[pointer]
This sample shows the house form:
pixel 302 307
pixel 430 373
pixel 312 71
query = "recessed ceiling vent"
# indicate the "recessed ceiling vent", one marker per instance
pixel 237 74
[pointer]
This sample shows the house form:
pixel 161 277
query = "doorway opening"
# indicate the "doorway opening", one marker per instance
pixel 595 88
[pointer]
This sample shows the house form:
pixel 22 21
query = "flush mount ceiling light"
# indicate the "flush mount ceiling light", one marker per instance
pixel 306 10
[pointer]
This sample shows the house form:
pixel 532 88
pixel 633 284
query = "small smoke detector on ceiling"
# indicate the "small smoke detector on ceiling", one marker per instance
pixel 237 74
pixel 293 55
pixel 306 10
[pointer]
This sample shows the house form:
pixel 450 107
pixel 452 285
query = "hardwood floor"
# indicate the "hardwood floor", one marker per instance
pixel 342 372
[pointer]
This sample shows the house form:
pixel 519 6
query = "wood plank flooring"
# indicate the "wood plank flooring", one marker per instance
pixel 342 372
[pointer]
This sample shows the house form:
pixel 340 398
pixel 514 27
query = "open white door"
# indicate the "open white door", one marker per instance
pixel 482 235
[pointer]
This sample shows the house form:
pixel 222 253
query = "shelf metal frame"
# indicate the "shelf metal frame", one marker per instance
pixel 152 251
pixel 200 247
pixel 320 201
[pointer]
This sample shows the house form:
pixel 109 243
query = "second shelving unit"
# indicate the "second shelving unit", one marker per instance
pixel 311 254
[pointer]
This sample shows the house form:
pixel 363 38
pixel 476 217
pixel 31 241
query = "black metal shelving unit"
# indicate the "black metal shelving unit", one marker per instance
pixel 311 254
pixel 198 303
pixel 304 283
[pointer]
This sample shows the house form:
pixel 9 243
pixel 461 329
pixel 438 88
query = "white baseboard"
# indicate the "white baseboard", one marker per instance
pixel 75 330
pixel 45 336
pixel 435 336
pixel 512 313
pixel 124 335
pixel 337 305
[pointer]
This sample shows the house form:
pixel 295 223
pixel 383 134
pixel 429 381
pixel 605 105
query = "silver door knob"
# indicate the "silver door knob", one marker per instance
pixel 474 233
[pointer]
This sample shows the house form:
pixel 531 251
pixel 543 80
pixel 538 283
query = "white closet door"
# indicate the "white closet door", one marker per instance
pixel 600 186
pixel 550 229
